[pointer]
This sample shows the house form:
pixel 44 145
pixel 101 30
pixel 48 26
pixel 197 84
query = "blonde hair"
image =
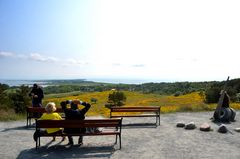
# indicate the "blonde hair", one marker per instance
pixel 50 107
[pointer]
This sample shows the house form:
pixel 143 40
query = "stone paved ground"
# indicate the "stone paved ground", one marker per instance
pixel 139 140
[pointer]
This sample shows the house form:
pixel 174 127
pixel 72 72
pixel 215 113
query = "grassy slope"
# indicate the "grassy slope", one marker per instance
pixel 189 102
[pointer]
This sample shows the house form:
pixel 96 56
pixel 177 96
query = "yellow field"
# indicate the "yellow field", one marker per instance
pixel 188 102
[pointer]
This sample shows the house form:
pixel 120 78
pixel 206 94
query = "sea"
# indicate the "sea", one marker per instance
pixel 23 82
pixel 44 83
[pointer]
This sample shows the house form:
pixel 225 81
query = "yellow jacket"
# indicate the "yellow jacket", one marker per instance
pixel 51 116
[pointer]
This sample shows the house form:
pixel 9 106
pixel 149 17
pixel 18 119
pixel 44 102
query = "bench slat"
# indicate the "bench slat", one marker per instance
pixel 142 115
pixel 83 134
pixel 41 110
pixel 77 123
pixel 136 107
pixel 136 111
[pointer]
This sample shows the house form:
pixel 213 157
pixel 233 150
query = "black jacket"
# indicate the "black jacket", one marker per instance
pixel 39 92
pixel 78 114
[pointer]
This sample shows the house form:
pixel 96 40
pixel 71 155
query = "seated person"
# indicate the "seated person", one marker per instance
pixel 73 113
pixel 49 115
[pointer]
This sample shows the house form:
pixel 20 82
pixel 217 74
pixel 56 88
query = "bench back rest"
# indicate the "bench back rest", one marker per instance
pixel 88 123
pixel 41 110
pixel 155 109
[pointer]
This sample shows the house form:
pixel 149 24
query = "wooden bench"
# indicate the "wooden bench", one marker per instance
pixel 136 111
pixel 113 127
pixel 32 110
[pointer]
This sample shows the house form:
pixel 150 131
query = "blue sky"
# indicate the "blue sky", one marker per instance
pixel 173 40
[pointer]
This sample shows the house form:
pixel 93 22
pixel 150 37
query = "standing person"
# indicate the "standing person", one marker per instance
pixel 49 115
pixel 73 113
pixel 37 95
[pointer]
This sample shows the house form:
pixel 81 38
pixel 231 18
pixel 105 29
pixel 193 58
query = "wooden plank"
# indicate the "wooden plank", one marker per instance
pixel 41 110
pixel 150 115
pixel 137 107
pixel 77 123
pixel 135 110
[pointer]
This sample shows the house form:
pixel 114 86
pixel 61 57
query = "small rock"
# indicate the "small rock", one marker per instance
pixel 205 127
pixel 222 129
pixel 237 129
pixel 180 124
pixel 190 126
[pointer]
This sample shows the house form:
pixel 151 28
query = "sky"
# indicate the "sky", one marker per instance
pixel 155 40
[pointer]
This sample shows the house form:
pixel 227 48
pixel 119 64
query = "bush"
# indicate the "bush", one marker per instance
pixel 20 99
pixel 117 98
pixel 178 93
pixel 94 100
pixel 212 95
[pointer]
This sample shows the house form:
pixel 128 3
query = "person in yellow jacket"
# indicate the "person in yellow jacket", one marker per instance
pixel 49 115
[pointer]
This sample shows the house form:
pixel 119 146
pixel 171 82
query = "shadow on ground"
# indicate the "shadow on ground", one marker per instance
pixel 17 128
pixel 62 151
pixel 139 125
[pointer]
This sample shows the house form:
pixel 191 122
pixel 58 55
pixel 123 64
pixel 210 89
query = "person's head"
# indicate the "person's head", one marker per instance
pixel 35 85
pixel 50 107
pixel 64 105
pixel 74 106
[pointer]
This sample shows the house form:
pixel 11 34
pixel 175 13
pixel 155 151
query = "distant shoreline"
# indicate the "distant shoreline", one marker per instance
pixel 47 82
pixel 13 82
pixel 23 82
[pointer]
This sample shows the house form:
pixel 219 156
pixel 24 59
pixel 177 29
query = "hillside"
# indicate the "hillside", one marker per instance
pixel 189 102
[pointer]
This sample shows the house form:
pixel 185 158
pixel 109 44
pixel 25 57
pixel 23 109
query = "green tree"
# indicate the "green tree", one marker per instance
pixel 117 98
pixel 212 95
pixel 20 99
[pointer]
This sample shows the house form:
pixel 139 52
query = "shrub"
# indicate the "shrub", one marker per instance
pixel 20 99
pixel 94 100
pixel 117 98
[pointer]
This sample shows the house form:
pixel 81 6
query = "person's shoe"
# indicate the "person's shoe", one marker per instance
pixel 97 130
pixel 70 143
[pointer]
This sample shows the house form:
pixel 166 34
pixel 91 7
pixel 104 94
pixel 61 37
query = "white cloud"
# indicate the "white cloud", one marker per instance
pixel 39 57
pixel 138 65
pixel 73 62
pixel 6 54
pixel 116 64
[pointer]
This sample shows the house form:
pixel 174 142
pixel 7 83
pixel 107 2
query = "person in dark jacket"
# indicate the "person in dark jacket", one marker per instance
pixel 37 95
pixel 73 113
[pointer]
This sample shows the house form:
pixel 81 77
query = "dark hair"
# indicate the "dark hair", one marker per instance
pixel 74 106
pixel 35 85
pixel 63 105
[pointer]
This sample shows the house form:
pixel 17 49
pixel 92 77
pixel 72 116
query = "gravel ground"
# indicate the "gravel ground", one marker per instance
pixel 139 140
